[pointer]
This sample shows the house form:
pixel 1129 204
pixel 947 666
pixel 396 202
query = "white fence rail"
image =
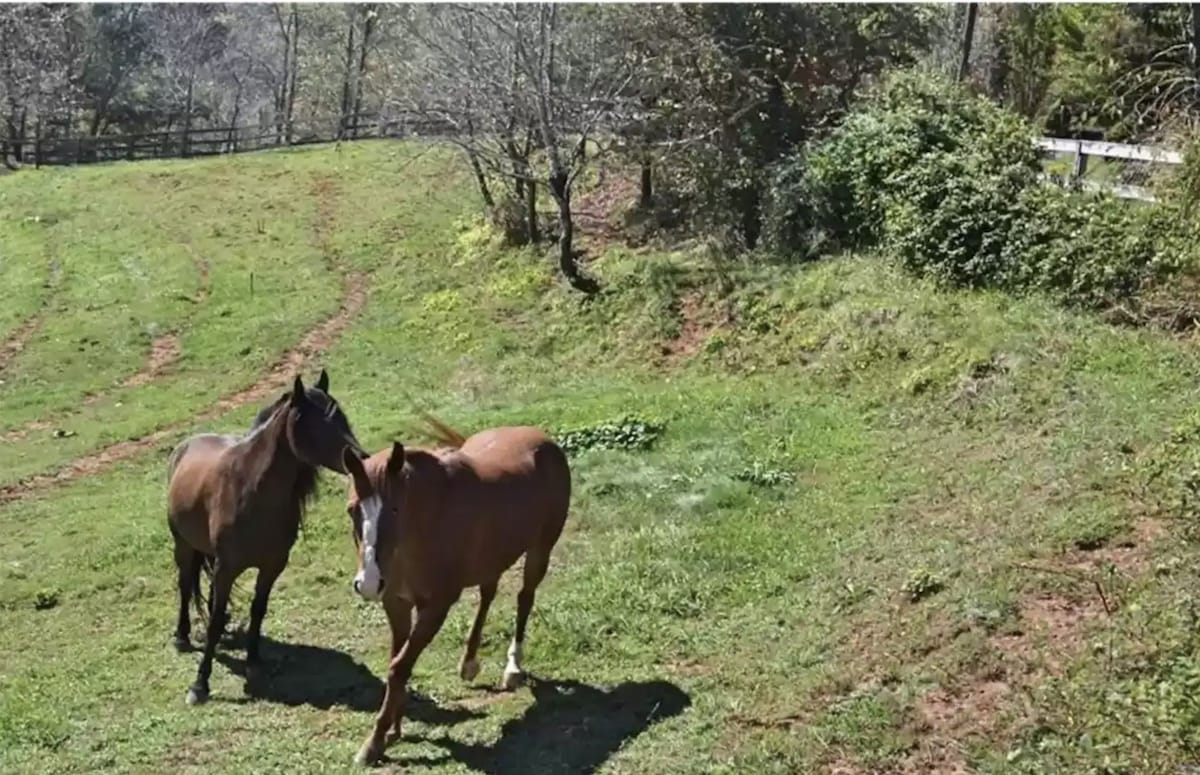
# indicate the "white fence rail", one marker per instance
pixel 1082 149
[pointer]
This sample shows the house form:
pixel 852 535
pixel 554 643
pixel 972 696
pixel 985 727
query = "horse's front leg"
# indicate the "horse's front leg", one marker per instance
pixel 267 576
pixel 429 619
pixel 399 614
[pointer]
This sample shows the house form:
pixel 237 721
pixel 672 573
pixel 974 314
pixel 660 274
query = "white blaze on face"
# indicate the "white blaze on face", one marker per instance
pixel 368 582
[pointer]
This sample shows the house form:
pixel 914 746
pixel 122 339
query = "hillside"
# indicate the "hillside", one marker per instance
pixel 884 528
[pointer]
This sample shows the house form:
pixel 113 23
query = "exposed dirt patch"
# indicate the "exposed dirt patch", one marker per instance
pixel 688 667
pixel 277 377
pixel 1129 556
pixel 597 213
pixel 15 342
pixel 164 352
pixel 696 323
pixel 204 270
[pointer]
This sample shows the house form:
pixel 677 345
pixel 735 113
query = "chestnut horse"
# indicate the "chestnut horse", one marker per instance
pixel 236 503
pixel 429 523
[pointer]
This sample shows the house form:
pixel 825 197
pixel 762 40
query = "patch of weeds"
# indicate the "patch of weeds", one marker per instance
pixel 1170 472
pixel 922 583
pixel 849 595
pixel 1087 531
pixel 629 434
pixel 761 475
pixel 45 599
pixel 991 612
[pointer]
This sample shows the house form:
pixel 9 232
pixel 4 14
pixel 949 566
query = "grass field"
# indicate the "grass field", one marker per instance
pixel 885 528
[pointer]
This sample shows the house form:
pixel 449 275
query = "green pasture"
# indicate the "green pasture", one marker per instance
pixel 865 497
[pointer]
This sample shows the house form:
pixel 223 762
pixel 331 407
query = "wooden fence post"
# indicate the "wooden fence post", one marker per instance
pixel 1079 167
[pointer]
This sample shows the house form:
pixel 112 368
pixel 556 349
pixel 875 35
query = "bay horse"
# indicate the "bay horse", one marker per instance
pixel 427 524
pixel 235 503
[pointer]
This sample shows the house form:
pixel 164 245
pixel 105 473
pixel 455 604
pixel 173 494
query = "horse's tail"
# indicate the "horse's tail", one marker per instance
pixel 173 460
pixel 441 432
pixel 199 600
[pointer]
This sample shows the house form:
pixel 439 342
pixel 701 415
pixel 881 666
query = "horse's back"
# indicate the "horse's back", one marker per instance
pixel 518 454
pixel 189 474
pixel 509 490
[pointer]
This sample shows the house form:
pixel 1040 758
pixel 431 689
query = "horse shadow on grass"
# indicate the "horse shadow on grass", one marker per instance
pixel 298 674
pixel 572 728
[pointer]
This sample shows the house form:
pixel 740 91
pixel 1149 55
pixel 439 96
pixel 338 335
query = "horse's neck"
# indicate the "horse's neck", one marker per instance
pixel 271 463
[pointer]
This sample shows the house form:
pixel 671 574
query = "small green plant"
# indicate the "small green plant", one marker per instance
pixel 921 584
pixel 629 433
pixel 761 475
pixel 45 599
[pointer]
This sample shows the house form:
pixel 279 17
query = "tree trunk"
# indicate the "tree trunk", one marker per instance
pixel 748 203
pixel 347 74
pixel 1194 43
pixel 646 200
pixel 531 214
pixel 289 118
pixel 561 191
pixel 187 116
pixel 233 126
pixel 368 28
pixel 484 190
pixel 964 65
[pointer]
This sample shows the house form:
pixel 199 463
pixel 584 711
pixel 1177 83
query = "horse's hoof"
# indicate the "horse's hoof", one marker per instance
pixel 197 696
pixel 469 669
pixel 182 645
pixel 366 756
pixel 513 680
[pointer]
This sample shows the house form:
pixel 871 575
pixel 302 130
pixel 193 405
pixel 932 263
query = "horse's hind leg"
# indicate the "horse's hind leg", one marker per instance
pixel 222 582
pixel 537 560
pixel 468 668
pixel 187 561
pixel 258 610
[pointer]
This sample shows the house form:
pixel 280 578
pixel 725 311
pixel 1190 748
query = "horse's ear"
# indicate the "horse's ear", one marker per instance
pixel 323 382
pixel 297 391
pixel 396 461
pixel 358 472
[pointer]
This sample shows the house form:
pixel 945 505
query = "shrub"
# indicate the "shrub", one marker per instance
pixel 947 183
pixel 837 192
pixel 955 217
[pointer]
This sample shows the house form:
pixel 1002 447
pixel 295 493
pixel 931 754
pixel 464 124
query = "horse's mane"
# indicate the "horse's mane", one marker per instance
pixel 304 491
pixel 441 432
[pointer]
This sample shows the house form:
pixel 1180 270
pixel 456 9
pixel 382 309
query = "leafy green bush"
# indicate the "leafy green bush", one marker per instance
pixel 948 183
pixel 838 191
pixel 629 433
pixel 955 218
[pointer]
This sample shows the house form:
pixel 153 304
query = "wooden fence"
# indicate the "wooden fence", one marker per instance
pixel 209 141
pixel 40 150
pixel 1083 149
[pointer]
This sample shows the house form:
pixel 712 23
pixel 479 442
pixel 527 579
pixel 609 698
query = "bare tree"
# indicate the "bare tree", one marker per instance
pixel 187 38
pixel 512 79
pixel 35 69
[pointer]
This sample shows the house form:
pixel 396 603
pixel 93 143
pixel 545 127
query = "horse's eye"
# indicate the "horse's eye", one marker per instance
pixel 355 521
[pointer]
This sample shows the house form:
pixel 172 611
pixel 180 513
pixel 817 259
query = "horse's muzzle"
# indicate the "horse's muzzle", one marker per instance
pixel 366 593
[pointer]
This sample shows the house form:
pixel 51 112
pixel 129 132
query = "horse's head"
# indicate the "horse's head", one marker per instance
pixel 376 493
pixel 317 429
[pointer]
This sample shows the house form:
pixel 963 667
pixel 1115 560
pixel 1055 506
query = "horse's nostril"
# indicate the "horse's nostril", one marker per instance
pixel 381 585
pixel 358 586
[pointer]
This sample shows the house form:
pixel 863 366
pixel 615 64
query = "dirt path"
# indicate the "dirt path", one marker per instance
pixel 277 377
pixel 15 342
pixel 164 352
